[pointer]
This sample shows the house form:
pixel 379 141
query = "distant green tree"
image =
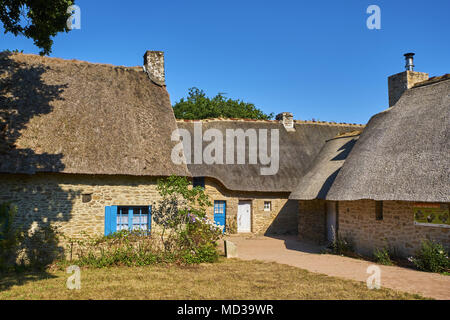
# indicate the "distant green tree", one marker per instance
pixel 198 106
pixel 35 19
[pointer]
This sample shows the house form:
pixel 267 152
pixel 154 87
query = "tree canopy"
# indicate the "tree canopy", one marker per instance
pixel 36 19
pixel 198 106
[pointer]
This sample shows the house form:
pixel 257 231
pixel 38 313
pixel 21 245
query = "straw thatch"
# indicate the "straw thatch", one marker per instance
pixel 77 117
pixel 316 183
pixel 297 151
pixel 404 152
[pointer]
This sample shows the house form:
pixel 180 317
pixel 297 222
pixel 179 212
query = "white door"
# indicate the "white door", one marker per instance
pixel 331 220
pixel 244 216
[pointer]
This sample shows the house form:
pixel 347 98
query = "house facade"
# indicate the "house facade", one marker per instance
pixel 391 189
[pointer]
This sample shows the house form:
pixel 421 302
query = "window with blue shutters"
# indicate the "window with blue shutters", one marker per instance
pixel 119 218
pixel 220 213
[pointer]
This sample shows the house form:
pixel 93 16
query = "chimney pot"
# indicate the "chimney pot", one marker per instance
pixel 409 58
pixel 287 118
pixel 154 67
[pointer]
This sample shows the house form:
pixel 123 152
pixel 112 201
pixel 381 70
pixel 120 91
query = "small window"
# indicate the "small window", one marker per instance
pixel 379 210
pixel 199 182
pixel 86 197
pixel 267 205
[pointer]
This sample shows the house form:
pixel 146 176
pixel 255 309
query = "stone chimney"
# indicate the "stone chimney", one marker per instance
pixel 287 119
pixel 154 67
pixel 400 82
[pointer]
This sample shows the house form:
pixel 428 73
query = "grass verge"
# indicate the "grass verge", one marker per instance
pixel 227 279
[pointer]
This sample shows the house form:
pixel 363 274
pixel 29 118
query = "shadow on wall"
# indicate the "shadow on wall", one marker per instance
pixel 286 222
pixel 24 95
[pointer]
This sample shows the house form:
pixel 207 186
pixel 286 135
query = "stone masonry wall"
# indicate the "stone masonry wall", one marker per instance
pixel 312 221
pixel 56 199
pixel 357 221
pixel 282 219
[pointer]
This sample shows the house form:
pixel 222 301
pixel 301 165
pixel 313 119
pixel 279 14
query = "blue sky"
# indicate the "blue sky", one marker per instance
pixel 316 59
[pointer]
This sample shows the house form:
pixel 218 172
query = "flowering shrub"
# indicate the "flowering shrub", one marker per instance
pixel 200 240
pixel 431 257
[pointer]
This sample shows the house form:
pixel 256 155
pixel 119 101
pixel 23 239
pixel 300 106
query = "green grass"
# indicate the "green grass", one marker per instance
pixel 227 279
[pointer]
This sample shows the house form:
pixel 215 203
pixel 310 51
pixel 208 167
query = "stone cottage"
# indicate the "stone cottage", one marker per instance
pixel 388 186
pixel 251 190
pixel 82 144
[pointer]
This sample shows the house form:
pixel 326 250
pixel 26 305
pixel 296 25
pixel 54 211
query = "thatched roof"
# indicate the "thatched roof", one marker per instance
pixel 404 152
pixel 77 117
pixel 297 150
pixel 316 183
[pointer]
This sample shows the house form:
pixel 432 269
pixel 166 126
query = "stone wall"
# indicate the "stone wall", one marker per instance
pixel 282 219
pixel 312 221
pixel 357 221
pixel 56 199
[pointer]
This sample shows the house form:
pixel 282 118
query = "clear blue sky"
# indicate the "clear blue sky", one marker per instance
pixel 316 59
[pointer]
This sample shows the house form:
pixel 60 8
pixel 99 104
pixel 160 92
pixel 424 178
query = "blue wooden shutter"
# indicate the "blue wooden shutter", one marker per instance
pixel 224 216
pixel 110 220
pixel 149 219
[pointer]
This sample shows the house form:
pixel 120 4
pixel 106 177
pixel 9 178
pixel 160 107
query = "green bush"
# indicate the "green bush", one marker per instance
pixel 341 246
pixel 20 249
pixel 383 256
pixel 431 257
pixel 10 238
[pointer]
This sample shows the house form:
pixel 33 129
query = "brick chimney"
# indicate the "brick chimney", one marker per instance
pixel 400 82
pixel 287 119
pixel 154 67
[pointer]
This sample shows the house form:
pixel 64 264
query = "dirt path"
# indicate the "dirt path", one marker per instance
pixel 288 250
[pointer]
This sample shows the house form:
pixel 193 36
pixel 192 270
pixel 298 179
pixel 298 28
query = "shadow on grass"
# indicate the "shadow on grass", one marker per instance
pixel 10 279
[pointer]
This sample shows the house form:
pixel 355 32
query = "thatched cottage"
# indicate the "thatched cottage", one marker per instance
pixel 246 198
pixel 388 186
pixel 83 143
pixel 82 146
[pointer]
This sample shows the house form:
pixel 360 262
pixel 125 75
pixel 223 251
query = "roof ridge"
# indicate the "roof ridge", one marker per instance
pixel 271 121
pixel 76 61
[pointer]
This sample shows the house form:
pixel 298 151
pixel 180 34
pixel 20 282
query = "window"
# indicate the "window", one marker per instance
pixel 198 182
pixel 86 197
pixel 267 205
pixel 119 218
pixel 379 210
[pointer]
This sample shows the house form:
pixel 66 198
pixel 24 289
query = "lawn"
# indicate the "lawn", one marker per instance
pixel 227 279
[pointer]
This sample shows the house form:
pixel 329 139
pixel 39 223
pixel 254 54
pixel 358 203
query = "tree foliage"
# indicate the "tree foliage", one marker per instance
pixel 198 106
pixel 35 19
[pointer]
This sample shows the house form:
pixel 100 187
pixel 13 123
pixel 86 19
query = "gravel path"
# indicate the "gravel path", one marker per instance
pixel 288 250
